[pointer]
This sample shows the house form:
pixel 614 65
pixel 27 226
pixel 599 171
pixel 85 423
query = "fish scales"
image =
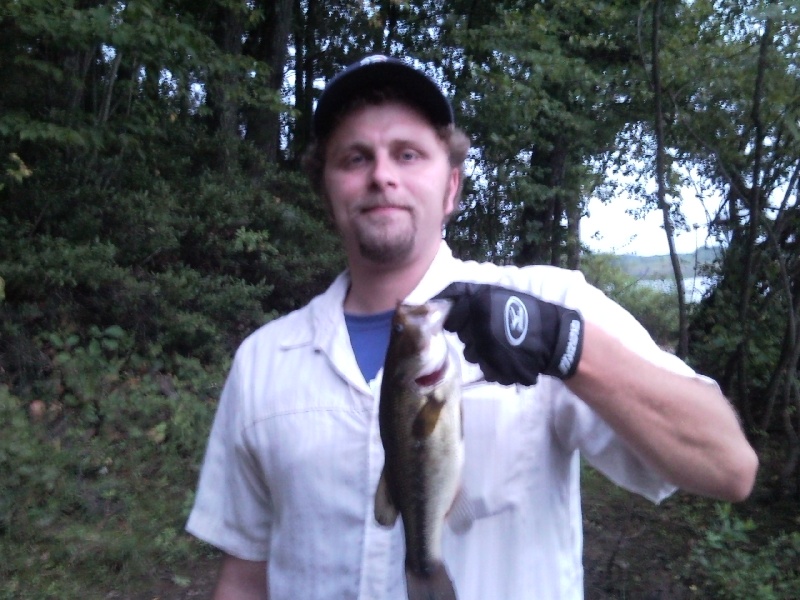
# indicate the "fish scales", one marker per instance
pixel 421 432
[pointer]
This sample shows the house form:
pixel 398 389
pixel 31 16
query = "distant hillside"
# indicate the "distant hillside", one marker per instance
pixel 660 267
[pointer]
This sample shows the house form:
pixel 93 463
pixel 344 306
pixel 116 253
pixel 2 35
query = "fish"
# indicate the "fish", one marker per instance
pixel 422 435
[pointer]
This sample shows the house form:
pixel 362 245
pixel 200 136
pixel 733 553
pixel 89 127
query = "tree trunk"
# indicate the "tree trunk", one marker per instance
pixel 105 109
pixel 541 221
pixel 268 45
pixel 305 24
pixel 574 213
pixel 753 198
pixel 683 323
pixel 228 34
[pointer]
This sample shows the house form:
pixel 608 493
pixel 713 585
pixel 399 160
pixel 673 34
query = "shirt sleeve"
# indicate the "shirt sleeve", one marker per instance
pixel 578 427
pixel 232 508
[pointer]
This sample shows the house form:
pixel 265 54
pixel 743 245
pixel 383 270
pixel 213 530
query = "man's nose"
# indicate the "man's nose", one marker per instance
pixel 384 171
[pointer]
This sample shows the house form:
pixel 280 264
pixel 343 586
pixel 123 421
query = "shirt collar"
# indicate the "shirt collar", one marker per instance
pixel 444 269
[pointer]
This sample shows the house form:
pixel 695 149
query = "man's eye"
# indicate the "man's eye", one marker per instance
pixel 408 155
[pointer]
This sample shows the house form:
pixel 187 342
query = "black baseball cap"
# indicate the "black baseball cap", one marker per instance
pixel 377 71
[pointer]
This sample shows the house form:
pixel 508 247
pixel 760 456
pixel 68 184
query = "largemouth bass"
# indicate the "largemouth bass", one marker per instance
pixel 421 432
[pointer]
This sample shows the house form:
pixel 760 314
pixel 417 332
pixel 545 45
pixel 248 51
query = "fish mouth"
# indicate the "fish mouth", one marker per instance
pixel 429 380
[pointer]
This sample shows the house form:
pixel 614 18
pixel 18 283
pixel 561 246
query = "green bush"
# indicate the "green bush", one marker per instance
pixel 729 563
pixel 98 469
pixel 717 330
pixel 192 265
pixel 131 266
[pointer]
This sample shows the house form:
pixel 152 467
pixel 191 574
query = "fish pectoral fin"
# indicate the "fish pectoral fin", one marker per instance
pixel 426 418
pixel 385 510
pixel 463 512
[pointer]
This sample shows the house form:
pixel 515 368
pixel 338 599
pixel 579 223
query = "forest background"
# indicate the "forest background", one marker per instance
pixel 152 213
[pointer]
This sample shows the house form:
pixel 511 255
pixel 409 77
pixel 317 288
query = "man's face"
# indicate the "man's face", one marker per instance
pixel 389 183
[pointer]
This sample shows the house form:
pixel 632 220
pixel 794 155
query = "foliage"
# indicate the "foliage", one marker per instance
pixel 195 268
pixel 731 564
pixel 141 242
pixel 160 245
pixel 152 215
pixel 533 81
pixel 687 546
pixel 730 82
pixel 720 340
pixel 655 309
pixel 736 125
pixel 98 468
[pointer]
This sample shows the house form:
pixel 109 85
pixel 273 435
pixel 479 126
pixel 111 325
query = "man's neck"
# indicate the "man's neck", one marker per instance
pixel 378 288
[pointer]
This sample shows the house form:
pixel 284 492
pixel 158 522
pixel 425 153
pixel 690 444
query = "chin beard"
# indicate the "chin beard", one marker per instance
pixel 384 250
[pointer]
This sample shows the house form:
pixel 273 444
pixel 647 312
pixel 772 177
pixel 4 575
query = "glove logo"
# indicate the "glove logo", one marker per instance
pixel 565 364
pixel 515 318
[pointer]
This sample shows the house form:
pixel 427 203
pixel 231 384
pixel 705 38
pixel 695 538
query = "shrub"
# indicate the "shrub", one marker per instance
pixel 727 563
pixel 98 475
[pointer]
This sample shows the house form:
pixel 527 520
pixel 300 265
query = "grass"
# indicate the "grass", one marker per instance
pixel 688 547
pixel 97 476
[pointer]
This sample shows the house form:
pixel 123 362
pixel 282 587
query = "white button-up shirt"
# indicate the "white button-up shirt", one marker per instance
pixel 294 457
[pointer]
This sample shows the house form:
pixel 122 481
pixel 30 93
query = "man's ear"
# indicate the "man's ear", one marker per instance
pixel 453 191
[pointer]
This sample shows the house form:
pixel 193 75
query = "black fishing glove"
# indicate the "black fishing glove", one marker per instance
pixel 514 336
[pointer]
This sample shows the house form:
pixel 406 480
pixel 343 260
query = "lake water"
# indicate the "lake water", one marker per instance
pixel 694 287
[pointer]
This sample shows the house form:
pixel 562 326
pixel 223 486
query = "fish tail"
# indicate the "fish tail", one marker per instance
pixel 434 586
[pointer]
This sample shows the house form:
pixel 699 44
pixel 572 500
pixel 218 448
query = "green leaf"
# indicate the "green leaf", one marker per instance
pixel 115 331
pixel 181 581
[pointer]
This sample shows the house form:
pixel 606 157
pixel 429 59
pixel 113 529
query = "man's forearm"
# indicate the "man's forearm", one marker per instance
pixel 241 580
pixel 681 426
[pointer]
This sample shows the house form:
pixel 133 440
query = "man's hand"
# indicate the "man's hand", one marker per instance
pixel 513 336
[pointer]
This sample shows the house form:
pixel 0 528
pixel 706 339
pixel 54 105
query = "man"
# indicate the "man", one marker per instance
pixel 288 483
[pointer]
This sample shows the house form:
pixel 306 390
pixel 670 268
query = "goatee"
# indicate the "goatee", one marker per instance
pixel 384 250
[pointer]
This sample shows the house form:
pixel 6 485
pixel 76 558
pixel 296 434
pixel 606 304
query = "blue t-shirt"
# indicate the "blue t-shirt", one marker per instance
pixel 369 336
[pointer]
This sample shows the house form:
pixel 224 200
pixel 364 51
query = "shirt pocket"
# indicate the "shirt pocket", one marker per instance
pixel 501 427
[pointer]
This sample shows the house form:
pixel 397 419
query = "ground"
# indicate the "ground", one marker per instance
pixel 633 548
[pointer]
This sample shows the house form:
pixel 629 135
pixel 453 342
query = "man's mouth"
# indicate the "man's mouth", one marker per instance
pixel 376 209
